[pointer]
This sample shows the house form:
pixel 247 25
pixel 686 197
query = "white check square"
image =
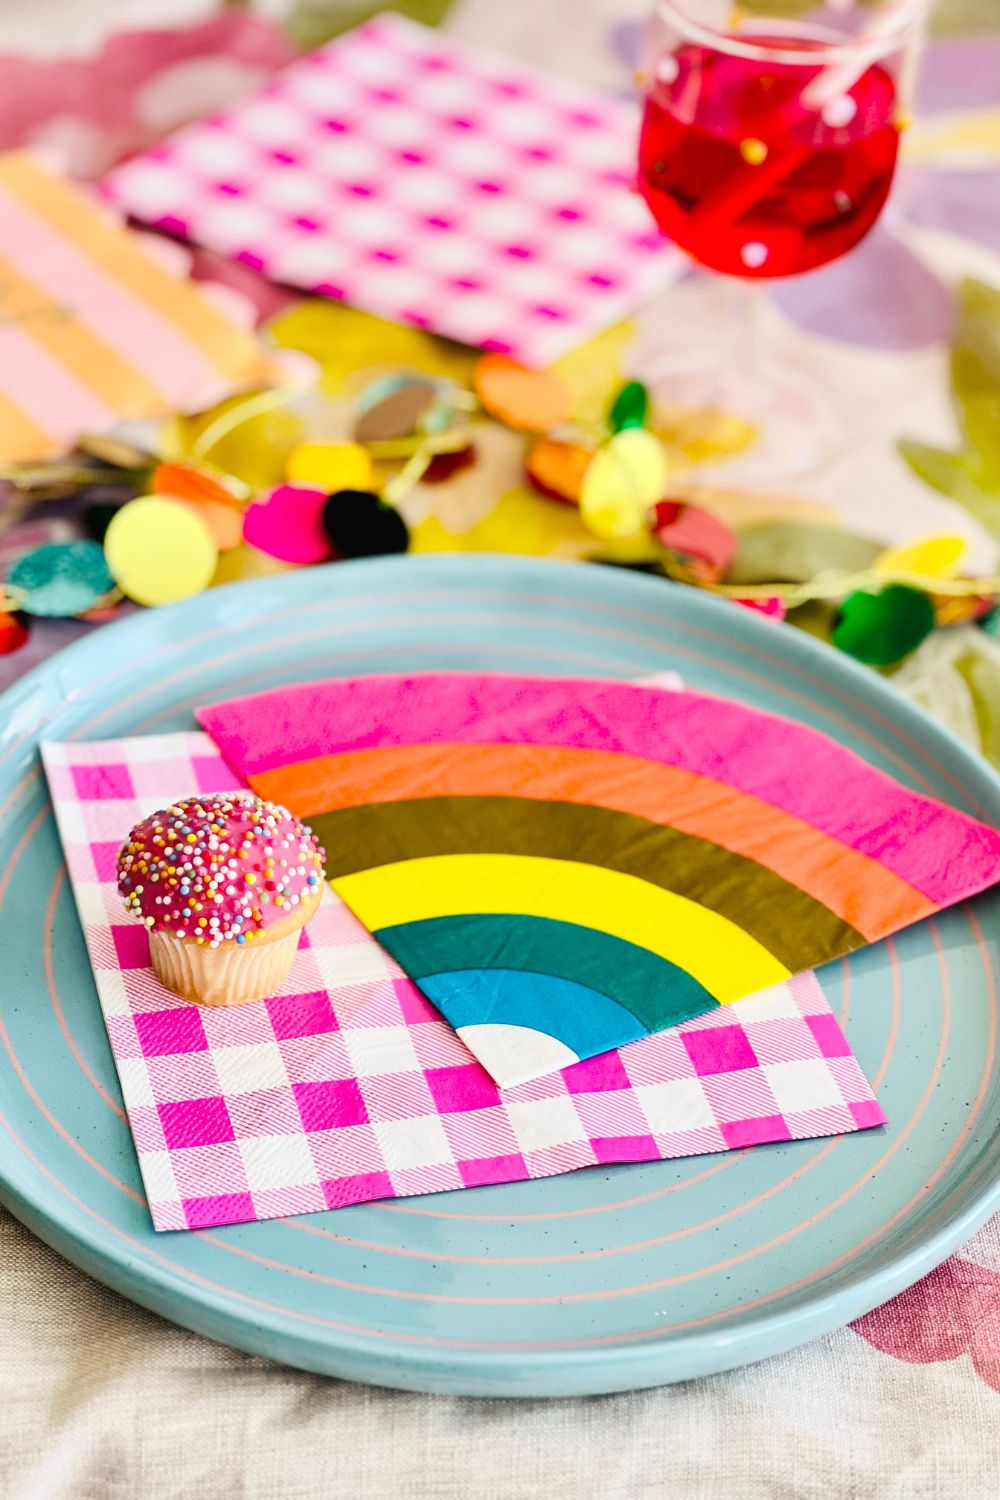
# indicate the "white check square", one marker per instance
pixel 679 1105
pixel 158 1177
pixel 802 1085
pixel 355 963
pixel 114 995
pixel 773 1004
pixel 381 1049
pixel 243 1070
pixel 91 906
pixel 137 1088
pixel 413 1143
pixel 277 1161
pixel 545 1122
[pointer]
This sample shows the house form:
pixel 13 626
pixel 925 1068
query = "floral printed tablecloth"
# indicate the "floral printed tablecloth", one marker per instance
pixel 903 1404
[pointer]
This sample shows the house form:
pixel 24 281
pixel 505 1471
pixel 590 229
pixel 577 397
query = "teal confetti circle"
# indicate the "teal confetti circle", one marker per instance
pixel 61 579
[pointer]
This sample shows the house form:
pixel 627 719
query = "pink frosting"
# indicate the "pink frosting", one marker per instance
pixel 218 869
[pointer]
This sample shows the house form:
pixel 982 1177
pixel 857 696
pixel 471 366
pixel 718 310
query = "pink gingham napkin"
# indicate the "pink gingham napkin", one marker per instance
pixel 348 1086
pixel 426 181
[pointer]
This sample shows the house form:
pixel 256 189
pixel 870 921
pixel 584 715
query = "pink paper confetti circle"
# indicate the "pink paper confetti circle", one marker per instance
pixel 288 524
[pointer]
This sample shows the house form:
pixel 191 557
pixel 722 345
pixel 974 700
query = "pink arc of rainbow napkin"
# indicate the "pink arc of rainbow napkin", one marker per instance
pixel 564 866
pixel 426 181
pixel 348 1086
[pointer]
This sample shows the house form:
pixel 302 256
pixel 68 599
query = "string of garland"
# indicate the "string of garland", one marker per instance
pixel 839 585
pixel 616 472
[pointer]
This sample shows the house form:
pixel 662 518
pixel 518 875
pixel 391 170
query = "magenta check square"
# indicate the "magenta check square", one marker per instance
pixel 105 857
pixel 829 1038
pixel 131 945
pixel 755 1132
pixel 212 774
pixel 867 1113
pixel 324 1106
pixel 301 1015
pixel 340 1091
pixel 486 1169
pixel 719 1049
pixel 196 1122
pixel 465 1087
pixel 338 1192
pixel 605 1071
pixel 164 1031
pixel 623 1148
pixel 224 1208
pixel 103 782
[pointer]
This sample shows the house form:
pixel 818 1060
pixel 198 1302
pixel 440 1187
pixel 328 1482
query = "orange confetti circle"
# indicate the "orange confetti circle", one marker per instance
pixel 182 482
pixel 557 469
pixel 528 400
pixel 216 507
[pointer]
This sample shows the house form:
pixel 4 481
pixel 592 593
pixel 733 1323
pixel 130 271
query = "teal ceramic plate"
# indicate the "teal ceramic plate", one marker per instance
pixel 602 1280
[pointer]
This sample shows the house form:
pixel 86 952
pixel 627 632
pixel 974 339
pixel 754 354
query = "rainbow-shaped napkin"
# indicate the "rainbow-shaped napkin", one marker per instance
pixel 564 866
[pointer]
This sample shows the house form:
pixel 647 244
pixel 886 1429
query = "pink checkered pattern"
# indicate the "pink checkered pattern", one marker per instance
pixel 425 181
pixel 348 1086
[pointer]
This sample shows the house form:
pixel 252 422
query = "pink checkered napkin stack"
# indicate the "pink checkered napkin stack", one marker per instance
pixel 348 1086
pixel 425 181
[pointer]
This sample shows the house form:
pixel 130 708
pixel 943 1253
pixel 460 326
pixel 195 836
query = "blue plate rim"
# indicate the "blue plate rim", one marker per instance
pixel 620 1365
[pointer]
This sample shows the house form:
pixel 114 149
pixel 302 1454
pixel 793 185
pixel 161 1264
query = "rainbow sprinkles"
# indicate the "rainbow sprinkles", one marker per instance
pixel 218 869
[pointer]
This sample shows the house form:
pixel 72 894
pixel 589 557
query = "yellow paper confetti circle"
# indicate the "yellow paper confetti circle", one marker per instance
pixel 158 551
pixel 932 556
pixel 624 479
pixel 331 466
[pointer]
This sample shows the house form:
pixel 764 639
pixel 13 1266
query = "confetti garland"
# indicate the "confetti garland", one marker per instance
pixel 841 585
pixel 179 514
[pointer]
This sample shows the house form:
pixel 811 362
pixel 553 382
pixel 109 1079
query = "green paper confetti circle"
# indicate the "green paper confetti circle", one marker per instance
pixel 630 407
pixel 880 629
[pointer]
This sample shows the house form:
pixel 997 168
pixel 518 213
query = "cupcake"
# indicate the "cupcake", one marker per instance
pixel 225 883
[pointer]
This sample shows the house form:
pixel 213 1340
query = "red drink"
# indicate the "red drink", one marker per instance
pixel 750 177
